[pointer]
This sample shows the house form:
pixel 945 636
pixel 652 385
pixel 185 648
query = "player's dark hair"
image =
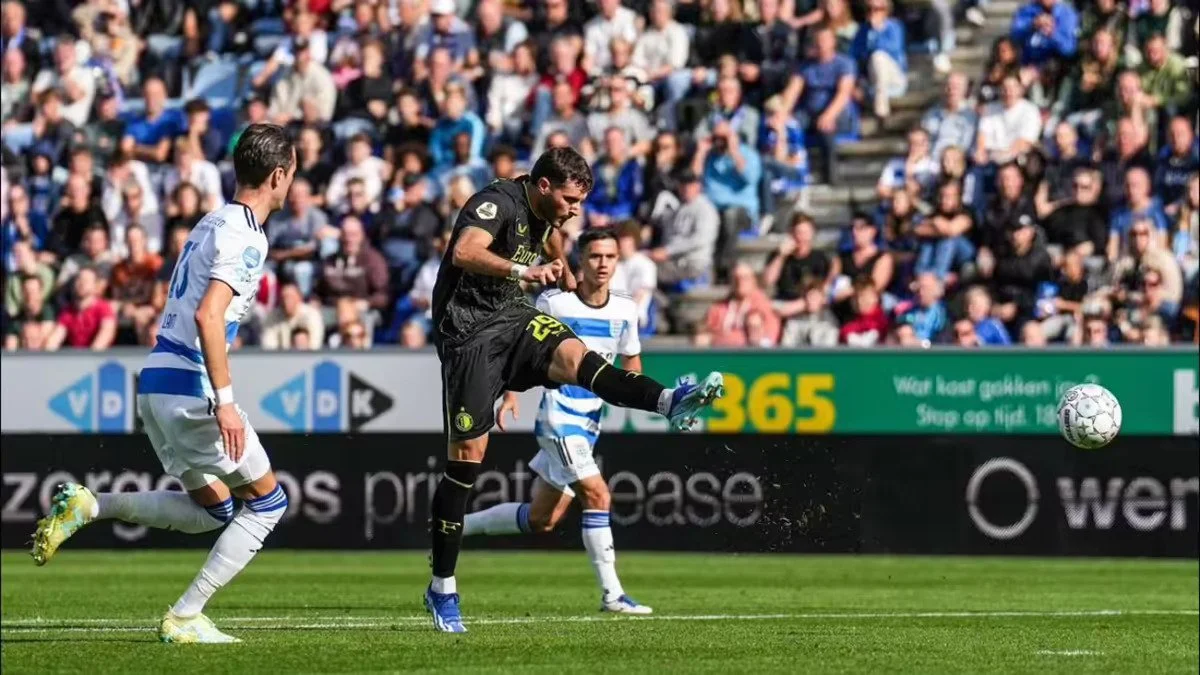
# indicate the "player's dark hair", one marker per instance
pixel 596 234
pixel 261 149
pixel 561 166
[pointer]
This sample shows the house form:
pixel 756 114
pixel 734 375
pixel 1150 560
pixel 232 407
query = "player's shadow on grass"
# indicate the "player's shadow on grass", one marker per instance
pixel 76 637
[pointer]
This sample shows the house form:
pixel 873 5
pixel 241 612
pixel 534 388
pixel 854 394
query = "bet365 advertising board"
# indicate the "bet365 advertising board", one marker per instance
pixel 777 392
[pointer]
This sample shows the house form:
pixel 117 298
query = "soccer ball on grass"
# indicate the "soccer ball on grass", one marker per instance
pixel 1089 416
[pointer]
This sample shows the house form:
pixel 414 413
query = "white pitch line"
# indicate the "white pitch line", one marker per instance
pixel 1068 652
pixel 368 622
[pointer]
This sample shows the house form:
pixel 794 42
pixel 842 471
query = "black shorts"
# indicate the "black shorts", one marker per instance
pixel 511 353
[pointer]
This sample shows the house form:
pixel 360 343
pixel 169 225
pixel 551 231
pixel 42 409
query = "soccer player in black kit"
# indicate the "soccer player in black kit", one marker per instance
pixel 490 339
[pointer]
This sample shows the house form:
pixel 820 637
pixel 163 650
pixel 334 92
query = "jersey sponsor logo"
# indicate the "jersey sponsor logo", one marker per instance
pixel 326 399
pixel 486 210
pixel 463 421
pixel 524 255
pixel 96 402
pixel 251 257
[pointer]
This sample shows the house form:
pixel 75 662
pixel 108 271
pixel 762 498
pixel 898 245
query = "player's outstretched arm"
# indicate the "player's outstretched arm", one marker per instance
pixel 210 326
pixel 471 254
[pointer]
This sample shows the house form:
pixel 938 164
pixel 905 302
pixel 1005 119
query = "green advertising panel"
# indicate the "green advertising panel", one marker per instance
pixel 929 392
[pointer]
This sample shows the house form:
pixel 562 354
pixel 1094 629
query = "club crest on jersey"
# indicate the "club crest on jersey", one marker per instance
pixel 251 257
pixel 615 326
pixel 486 210
pixel 463 421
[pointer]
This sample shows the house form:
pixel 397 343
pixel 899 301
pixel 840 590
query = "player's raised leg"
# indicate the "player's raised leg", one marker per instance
pixel 574 363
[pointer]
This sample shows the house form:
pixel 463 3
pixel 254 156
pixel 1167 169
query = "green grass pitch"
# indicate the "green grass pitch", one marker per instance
pixel 95 612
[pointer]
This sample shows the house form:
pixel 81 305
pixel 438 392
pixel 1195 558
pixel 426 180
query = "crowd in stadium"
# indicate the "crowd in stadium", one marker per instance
pixel 1051 198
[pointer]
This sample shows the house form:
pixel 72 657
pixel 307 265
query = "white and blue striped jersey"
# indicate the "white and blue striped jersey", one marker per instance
pixel 227 245
pixel 609 330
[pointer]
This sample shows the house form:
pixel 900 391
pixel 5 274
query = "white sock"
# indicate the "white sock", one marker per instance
pixel 664 402
pixel 444 585
pixel 235 548
pixel 162 509
pixel 506 518
pixel 598 540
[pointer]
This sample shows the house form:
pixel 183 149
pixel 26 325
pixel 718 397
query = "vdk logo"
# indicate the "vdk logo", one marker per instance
pixel 96 402
pixel 326 399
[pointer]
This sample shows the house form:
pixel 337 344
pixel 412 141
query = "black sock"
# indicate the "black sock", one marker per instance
pixel 616 386
pixel 449 506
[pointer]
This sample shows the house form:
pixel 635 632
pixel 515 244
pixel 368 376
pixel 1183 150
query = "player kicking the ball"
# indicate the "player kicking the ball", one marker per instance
pixel 568 423
pixel 185 397
pixel 491 340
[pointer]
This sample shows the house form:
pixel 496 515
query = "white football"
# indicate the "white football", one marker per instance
pixel 1089 416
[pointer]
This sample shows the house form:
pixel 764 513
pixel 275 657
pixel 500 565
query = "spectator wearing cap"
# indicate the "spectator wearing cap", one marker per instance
pixel 1140 204
pixel 636 274
pixel 732 109
pixel 612 21
pixel 880 51
pixel 191 167
pixel 745 318
pixel 77 212
pixel 1019 272
pixel 290 315
pixel 87 321
pixel 1011 206
pixel 781 142
pixel 446 31
pixel 1047 32
pixel 796 265
pixel 915 173
pixel 689 238
pixel 944 237
pixel 952 123
pixel 731 171
pixel 73 79
pixel 133 284
pixel 1078 223
pixel 927 314
pixel 456 118
pixel 360 164
pixel 307 79
pixel 357 272
pixel 1166 82
pixel 618 186
pixel 820 94
pixel 32 324
pixel 1178 161
pixel 1008 128
pixel 567 119
pixel 148 136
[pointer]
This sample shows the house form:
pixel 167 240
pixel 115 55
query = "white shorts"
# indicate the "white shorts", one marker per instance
pixel 563 461
pixel 188 442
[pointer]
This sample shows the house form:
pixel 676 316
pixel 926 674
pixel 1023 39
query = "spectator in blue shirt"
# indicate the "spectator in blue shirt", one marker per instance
pixel 784 156
pixel 1177 161
pixel 927 315
pixel 148 136
pixel 446 30
pixel 1140 204
pixel 730 172
pixel 455 120
pixel 618 182
pixel 988 329
pixel 879 50
pixel 820 94
pixel 1046 31
pixel 953 123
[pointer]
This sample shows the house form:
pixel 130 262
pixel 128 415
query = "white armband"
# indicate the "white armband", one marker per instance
pixel 517 271
pixel 224 395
